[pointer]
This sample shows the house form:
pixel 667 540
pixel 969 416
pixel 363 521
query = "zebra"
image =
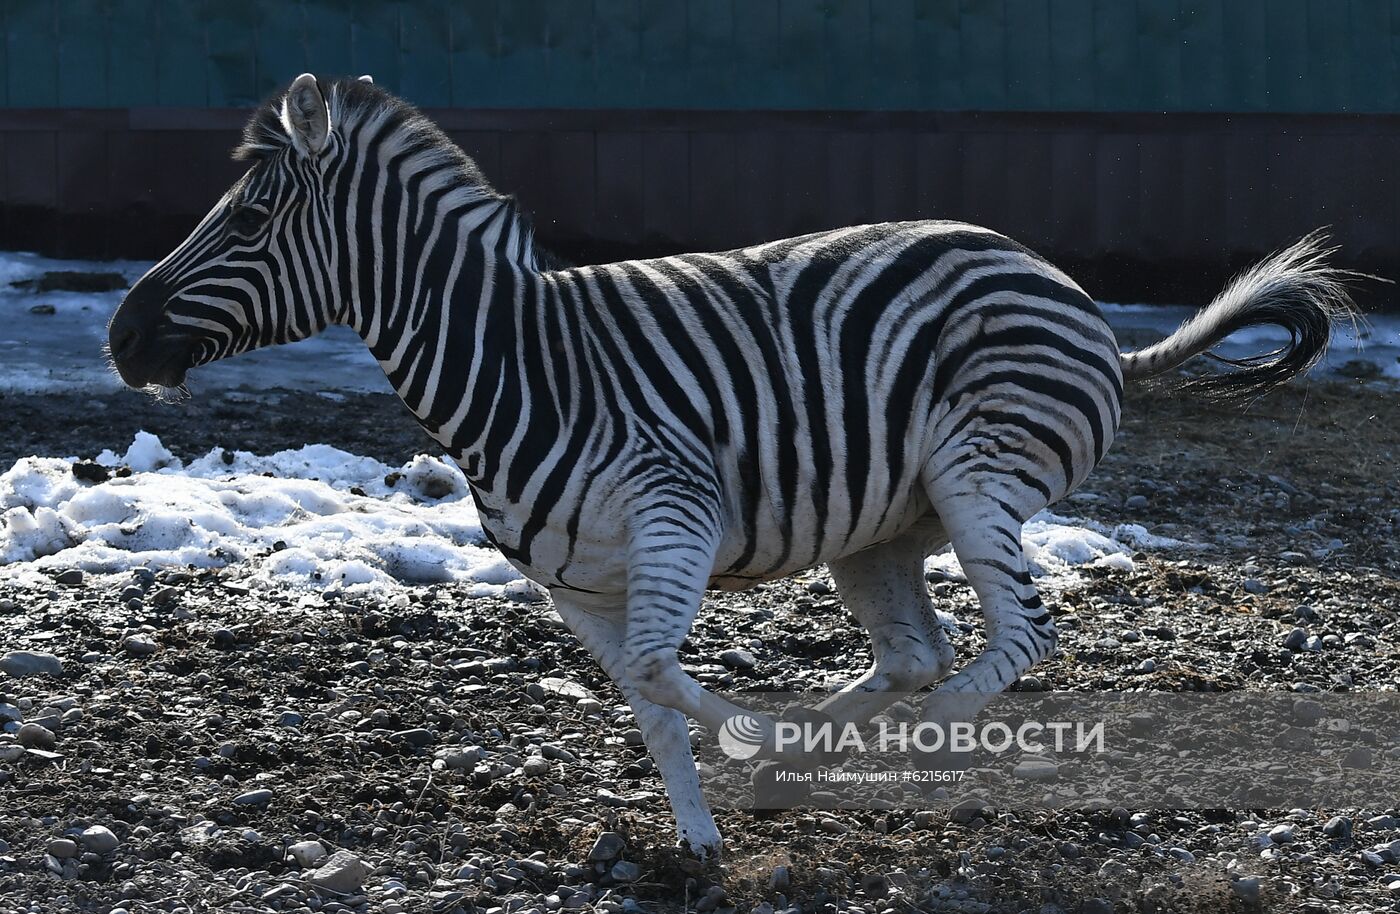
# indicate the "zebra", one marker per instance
pixel 636 433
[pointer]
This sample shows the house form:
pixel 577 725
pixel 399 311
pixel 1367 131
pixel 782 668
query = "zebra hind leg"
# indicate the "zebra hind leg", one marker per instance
pixel 984 512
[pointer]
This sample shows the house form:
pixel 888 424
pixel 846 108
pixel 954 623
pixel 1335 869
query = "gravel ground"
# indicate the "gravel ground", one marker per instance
pixel 213 745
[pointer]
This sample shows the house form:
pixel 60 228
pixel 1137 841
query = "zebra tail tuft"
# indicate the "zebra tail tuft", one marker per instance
pixel 1294 289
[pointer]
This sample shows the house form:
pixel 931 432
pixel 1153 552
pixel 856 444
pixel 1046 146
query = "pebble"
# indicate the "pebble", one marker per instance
pixel 1135 502
pixel 1358 757
pixel 19 664
pixel 1296 639
pixel 417 737
pixel 307 853
pixel 537 765
pixel 609 846
pixel 1256 587
pixel 1147 666
pixel 738 659
pixel 1036 769
pixel 254 798
pixel 557 753
pixel 625 871
pixel 1337 827
pixel 1281 834
pixel 72 577
pixel 99 839
pixel 140 646
pixel 1247 888
pixel 344 873
pixel 35 736
pixel 62 848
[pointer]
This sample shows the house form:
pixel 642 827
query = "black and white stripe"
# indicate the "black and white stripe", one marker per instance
pixel 636 432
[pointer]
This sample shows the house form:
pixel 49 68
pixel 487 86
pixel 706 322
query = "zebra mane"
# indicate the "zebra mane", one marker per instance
pixel 356 105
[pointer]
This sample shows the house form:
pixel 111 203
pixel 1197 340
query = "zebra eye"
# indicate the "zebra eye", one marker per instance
pixel 246 220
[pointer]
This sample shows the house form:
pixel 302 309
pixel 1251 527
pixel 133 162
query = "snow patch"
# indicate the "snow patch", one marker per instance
pixel 316 517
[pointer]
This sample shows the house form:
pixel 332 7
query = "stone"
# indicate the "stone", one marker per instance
pixel 417 737
pixel 1358 757
pixel 35 736
pixel 19 664
pixel 1295 640
pixel 738 659
pixel 254 798
pixel 62 848
pixel 99 839
pixel 140 646
pixel 1036 769
pixel 71 577
pixel 609 846
pixel 343 873
pixel 307 853
pixel 1281 834
pixel 566 688
pixel 1248 889
pixel 1337 827
pixel 625 871
pixel 1135 502
pixel 536 765
pixel 780 879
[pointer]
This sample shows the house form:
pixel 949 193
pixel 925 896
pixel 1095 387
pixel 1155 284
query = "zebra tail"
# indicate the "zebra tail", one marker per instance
pixel 1294 289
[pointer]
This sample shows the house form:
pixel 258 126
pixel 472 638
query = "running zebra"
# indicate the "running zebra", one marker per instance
pixel 634 433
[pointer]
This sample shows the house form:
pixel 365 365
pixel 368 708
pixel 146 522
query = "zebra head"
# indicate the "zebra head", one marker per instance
pixel 258 269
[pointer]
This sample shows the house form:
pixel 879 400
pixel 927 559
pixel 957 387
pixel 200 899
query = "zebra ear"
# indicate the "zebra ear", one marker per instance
pixel 305 115
pixel 367 79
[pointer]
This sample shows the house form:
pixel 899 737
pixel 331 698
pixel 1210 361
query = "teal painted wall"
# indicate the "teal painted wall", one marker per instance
pixel 1007 55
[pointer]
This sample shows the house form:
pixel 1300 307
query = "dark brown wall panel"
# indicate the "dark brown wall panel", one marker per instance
pixel 1144 206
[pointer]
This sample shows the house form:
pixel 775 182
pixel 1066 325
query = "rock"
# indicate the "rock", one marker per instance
pixel 1147 666
pixel 35 736
pixel 1358 757
pixel 1036 769
pixel 609 846
pixel 91 471
pixel 1135 502
pixel 1281 834
pixel 254 798
pixel 62 848
pixel 537 765
pixel 140 646
pixel 417 737
pixel 343 873
pixel 557 753
pixel 99 839
pixel 738 659
pixel 1097 906
pixel 625 871
pixel 780 879
pixel 1182 854
pixel 71 577
pixel 1247 888
pixel 307 853
pixel 1258 588
pixel 19 664
pixel 1296 639
pixel 566 688
pixel 290 719
pixel 1337 827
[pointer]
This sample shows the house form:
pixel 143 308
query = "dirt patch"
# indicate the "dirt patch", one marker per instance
pixel 404 732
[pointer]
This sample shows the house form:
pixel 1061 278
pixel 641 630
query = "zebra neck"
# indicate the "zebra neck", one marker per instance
pixel 461 328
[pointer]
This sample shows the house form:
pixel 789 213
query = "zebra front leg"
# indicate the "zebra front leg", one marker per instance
pixel 664 730
pixel 671 555
pixel 884 588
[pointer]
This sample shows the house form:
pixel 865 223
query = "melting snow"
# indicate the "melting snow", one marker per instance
pixel 320 518
pixel 316 517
